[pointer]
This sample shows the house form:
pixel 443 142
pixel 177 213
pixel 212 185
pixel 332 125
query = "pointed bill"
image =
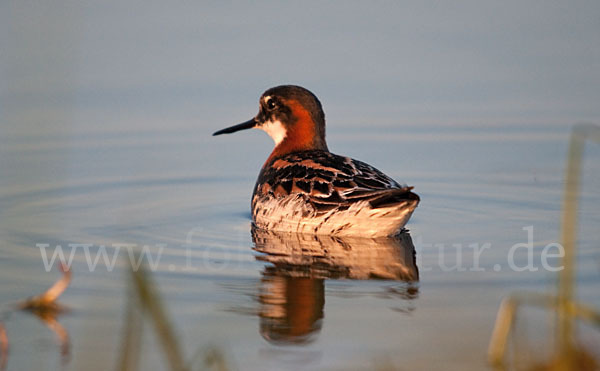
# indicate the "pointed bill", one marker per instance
pixel 232 129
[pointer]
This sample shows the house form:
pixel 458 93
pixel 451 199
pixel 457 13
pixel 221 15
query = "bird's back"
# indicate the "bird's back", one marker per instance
pixel 319 192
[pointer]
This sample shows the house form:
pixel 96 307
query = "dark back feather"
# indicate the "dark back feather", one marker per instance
pixel 330 181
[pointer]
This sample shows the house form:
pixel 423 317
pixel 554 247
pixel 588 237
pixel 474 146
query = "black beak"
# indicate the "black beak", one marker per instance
pixel 243 126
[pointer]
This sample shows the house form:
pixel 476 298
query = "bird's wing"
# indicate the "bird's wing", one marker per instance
pixel 330 181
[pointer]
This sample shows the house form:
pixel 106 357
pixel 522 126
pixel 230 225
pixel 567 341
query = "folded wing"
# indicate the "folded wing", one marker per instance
pixel 329 181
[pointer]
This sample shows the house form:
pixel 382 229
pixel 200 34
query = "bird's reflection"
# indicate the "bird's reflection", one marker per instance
pixel 291 307
pixel 292 293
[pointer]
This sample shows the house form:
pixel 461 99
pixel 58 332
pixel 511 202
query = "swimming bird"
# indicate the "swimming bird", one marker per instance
pixel 304 188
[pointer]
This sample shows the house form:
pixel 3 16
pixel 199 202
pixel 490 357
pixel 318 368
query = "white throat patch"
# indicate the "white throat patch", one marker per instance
pixel 275 129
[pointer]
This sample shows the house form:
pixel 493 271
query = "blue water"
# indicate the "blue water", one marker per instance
pixel 189 195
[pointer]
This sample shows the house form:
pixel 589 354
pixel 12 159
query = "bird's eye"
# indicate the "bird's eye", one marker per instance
pixel 271 104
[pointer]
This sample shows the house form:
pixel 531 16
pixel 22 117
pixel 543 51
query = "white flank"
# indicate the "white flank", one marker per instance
pixel 275 129
pixel 293 214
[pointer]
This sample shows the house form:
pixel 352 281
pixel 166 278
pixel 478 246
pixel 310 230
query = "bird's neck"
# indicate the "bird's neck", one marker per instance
pixel 303 134
pixel 302 137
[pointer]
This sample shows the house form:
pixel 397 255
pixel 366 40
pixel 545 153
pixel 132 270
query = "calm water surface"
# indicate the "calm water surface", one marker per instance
pixel 185 195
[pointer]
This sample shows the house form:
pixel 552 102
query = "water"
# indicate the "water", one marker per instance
pixel 188 193
pixel 105 142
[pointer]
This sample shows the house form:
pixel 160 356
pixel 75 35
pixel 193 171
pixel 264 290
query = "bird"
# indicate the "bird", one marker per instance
pixel 304 188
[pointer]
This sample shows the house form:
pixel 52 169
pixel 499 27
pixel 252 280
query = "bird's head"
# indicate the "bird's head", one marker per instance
pixel 293 118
